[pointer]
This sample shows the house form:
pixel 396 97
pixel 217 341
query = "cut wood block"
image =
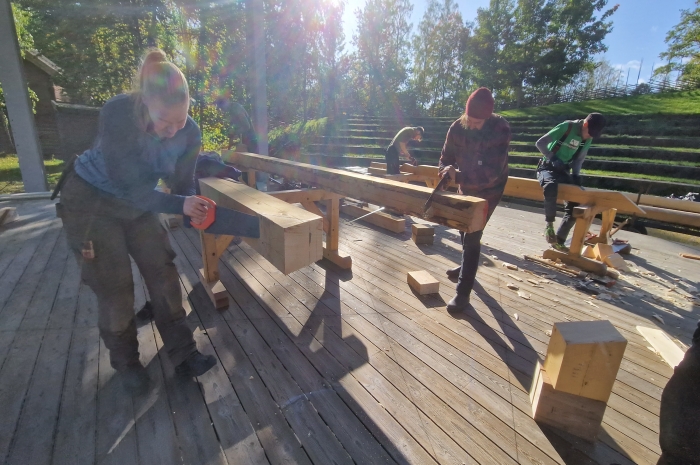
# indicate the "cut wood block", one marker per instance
pixel 423 283
pixel 8 215
pixel 601 251
pixel 381 219
pixel 583 358
pixel 663 345
pixel 426 240
pixel 290 237
pixel 616 261
pixel 574 414
pixel 215 290
pixel 588 252
pixel 422 230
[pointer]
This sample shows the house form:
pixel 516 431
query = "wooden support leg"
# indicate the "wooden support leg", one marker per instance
pixel 251 178
pixel 212 248
pixel 584 217
pixel 608 217
pixel 330 248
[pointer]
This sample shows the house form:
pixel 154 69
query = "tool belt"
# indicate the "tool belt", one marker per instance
pixel 547 165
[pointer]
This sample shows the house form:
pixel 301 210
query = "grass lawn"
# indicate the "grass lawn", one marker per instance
pixel 671 103
pixel 11 178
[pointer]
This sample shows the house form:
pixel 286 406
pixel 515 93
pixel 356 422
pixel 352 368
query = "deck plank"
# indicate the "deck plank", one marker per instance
pixel 325 365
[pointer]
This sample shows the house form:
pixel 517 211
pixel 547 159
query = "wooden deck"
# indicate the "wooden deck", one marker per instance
pixel 325 366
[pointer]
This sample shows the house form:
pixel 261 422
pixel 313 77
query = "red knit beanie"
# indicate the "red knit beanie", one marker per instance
pixel 480 103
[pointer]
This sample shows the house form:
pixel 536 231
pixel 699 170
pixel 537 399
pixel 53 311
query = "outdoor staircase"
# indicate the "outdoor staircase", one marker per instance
pixel 657 155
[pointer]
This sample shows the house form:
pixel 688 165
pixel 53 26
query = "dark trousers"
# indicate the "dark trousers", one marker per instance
pixel 117 230
pixel 392 160
pixel 679 418
pixel 471 249
pixel 550 180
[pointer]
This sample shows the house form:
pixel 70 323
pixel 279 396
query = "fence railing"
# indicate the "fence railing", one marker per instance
pixel 580 95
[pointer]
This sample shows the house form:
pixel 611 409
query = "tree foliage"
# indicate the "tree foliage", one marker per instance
pixel 683 41
pixel 519 48
pixel 383 53
pixel 437 58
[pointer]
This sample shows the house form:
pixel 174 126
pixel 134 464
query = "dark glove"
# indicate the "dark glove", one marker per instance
pixel 559 165
pixel 576 178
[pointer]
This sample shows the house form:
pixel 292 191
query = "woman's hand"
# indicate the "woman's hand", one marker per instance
pixel 195 208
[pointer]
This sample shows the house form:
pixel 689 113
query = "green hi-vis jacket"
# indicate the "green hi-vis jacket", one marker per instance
pixel 572 144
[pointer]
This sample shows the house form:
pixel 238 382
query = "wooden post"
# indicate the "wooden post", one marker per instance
pixel 251 178
pixel 608 217
pixel 584 218
pixel 212 248
pixel 330 248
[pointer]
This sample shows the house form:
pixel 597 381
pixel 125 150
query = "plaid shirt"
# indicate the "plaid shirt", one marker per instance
pixel 481 156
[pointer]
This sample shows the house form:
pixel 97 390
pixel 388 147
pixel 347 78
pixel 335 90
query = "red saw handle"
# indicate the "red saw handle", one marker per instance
pixel 211 214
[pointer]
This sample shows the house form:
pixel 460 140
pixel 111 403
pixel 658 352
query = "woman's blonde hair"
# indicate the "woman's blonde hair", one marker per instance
pixel 157 78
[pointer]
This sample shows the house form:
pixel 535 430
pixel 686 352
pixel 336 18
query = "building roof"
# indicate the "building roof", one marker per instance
pixel 41 62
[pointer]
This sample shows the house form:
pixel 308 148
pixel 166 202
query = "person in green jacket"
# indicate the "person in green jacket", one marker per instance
pixel 398 147
pixel 563 150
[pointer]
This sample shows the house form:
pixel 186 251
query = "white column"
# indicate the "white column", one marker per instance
pixel 256 59
pixel 19 109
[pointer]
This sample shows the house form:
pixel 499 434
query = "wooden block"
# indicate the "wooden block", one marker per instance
pixel 574 414
pixel 602 250
pixel 423 283
pixel 664 346
pixel 422 230
pixel 588 252
pixel 583 358
pixel 423 240
pixel 616 261
pixel 215 290
pixel 343 260
pixel 8 215
pixel 381 219
pixel 290 237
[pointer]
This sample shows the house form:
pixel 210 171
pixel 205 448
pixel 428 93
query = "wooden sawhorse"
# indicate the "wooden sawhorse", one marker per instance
pixel 584 217
pixel 213 246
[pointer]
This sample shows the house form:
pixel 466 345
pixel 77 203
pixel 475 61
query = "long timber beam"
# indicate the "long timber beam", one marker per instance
pixel 462 212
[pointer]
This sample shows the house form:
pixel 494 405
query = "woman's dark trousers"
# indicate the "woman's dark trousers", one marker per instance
pixel 116 230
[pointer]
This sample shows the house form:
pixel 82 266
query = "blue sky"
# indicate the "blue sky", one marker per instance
pixel 639 29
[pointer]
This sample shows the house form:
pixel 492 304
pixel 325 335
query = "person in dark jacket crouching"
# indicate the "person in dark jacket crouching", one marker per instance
pixel 475 156
pixel 679 418
pixel 109 206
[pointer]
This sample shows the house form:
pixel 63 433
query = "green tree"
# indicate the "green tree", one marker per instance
pixel 436 68
pixel 536 46
pixel 98 43
pixel 683 41
pixel 383 53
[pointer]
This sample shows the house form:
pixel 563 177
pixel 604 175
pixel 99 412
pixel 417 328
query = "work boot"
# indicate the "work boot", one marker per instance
pixel 196 364
pixel 459 302
pixel 453 273
pixel 549 234
pixel 560 244
pixel 135 379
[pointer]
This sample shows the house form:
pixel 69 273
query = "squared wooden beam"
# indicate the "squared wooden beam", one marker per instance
pixel 462 212
pixel 290 237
